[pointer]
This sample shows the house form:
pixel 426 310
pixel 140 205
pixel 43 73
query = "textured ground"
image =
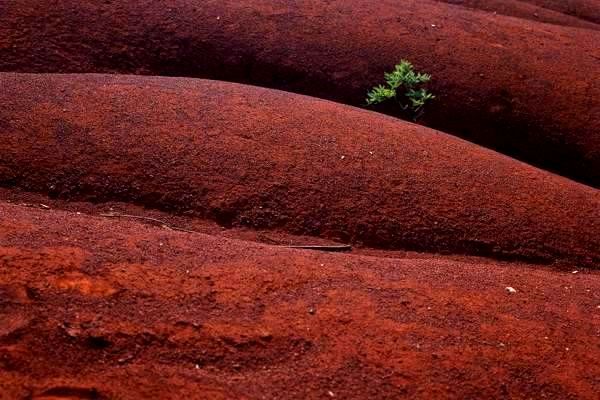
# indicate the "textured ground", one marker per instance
pixel 527 89
pixel 246 156
pixel 584 9
pixel 100 308
pixel 148 224
pixel 574 13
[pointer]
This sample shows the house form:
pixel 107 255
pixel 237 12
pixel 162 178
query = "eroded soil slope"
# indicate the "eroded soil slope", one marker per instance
pixel 247 156
pixel 535 12
pixel 524 88
pixel 583 9
pixel 94 308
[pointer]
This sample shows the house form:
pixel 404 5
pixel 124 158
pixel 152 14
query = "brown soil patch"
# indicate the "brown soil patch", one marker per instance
pixel 240 320
pixel 526 89
pixel 251 157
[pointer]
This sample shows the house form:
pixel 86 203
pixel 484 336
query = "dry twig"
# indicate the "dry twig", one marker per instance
pixel 331 248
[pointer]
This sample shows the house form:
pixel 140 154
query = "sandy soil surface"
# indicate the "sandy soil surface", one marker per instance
pixel 541 11
pixel 183 238
pixel 246 156
pixel 524 88
pixel 584 9
pixel 97 308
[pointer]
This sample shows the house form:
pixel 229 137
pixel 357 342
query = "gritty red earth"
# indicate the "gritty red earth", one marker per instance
pixel 574 13
pixel 527 89
pixel 584 9
pixel 98 308
pixel 154 231
pixel 254 157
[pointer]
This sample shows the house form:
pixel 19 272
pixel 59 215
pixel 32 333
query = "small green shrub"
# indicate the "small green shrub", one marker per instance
pixel 403 85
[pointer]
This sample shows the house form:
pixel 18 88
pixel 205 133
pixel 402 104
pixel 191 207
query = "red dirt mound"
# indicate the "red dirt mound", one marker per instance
pixel 522 9
pixel 94 308
pixel 255 157
pixel 584 9
pixel 526 89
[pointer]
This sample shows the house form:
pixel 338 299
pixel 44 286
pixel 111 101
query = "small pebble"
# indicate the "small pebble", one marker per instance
pixel 510 289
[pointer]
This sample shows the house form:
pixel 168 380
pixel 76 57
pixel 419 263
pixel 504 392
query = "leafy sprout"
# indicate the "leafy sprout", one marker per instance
pixel 403 85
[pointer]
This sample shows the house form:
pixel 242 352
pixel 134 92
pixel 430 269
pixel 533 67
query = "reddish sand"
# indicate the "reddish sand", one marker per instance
pixel 530 11
pixel 584 9
pixel 527 89
pixel 146 222
pixel 95 308
pixel 246 156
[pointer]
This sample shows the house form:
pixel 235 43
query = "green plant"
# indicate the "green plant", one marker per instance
pixel 403 85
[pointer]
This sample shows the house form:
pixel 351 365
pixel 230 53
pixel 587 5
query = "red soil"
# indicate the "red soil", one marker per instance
pixel 136 279
pixel 246 156
pixel 94 308
pixel 533 12
pixel 584 9
pixel 527 89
